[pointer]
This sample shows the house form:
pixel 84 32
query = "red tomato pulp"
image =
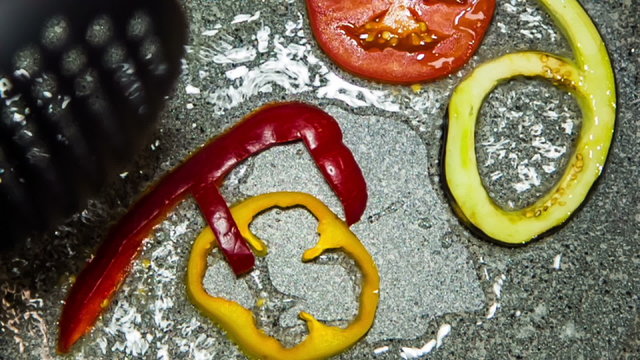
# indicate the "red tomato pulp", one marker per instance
pixel 400 41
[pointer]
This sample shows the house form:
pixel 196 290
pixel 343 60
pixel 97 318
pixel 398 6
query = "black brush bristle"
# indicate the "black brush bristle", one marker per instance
pixel 81 86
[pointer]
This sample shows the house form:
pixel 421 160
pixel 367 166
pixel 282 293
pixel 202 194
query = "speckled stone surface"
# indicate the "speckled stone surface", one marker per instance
pixel 445 294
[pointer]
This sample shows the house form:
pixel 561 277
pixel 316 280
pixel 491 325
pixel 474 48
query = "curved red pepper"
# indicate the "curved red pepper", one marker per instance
pixel 199 177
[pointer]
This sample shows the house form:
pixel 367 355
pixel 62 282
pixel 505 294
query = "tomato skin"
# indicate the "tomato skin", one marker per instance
pixel 459 26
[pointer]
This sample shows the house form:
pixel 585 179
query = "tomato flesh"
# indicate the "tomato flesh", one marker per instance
pixel 400 41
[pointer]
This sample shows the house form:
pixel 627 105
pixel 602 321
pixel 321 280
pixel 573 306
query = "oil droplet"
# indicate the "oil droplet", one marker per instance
pixel 104 304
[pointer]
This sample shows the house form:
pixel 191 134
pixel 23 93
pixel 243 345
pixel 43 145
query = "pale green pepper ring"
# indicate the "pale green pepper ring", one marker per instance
pixel 323 341
pixel 590 79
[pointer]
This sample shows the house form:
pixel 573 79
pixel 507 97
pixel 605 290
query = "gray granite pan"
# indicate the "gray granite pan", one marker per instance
pixel 444 292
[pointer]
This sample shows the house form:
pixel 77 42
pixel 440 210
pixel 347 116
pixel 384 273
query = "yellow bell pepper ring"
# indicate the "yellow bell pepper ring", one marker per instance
pixel 323 341
pixel 589 78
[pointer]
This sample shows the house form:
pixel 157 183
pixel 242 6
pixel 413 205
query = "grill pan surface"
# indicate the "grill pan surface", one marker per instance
pixel 573 294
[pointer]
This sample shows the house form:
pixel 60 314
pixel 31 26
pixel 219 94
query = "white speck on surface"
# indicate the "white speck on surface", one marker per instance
pixel 9 101
pixel 192 90
pixel 495 149
pixel 547 149
pixel 163 352
pixel 443 331
pixel 136 344
pixel 262 36
pixel 160 305
pixel 102 343
pixel 235 55
pixel 528 177
pixel 356 96
pixel 65 101
pixel 210 32
pixel 414 353
pixel 124 174
pixel 22 73
pixel 190 106
pixel 567 126
pixel 549 168
pixel 556 261
pixel 179 230
pixel 492 310
pixel 245 18
pixel 19 118
pixel 496 175
pixel 497 286
pixel 291 28
pixel 381 350
pixel 237 73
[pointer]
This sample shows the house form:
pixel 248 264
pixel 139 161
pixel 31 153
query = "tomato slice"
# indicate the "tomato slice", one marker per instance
pixel 400 41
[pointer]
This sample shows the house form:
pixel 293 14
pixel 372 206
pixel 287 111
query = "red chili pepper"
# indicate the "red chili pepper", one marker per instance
pixel 199 177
